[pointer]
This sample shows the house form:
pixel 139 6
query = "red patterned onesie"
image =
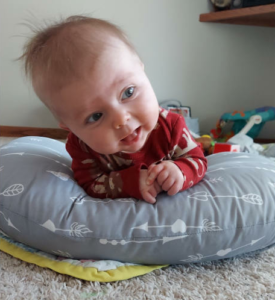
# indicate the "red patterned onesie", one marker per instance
pixel 117 175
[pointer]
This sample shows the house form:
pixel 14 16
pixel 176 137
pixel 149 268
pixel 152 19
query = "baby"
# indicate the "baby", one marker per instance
pixel 121 142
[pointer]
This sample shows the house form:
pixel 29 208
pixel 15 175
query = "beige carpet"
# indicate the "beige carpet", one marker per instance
pixel 251 276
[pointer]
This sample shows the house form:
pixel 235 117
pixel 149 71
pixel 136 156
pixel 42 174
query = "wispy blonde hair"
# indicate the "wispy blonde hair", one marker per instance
pixel 57 53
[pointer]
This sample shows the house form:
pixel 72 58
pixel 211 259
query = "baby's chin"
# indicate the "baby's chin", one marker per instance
pixel 139 147
pixel 132 151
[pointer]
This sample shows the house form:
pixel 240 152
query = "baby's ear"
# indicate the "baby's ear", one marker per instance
pixel 63 126
pixel 142 65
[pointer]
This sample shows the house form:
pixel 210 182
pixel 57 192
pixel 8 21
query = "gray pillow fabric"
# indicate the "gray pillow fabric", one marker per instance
pixel 231 211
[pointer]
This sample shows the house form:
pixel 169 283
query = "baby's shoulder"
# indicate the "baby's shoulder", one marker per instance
pixel 168 119
pixel 74 142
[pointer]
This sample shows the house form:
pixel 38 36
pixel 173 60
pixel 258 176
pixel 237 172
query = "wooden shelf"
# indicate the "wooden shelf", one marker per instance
pixel 264 141
pixel 14 131
pixel 263 15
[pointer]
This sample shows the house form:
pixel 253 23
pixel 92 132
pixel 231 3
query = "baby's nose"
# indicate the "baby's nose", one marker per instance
pixel 121 119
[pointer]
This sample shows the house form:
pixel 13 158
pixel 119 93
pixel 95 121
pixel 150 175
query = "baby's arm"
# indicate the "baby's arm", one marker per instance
pixel 99 184
pixel 187 164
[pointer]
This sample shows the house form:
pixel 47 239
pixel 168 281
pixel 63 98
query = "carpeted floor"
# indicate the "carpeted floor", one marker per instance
pixel 251 276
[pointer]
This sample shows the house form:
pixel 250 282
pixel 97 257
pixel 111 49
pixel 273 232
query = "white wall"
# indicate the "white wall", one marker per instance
pixel 214 68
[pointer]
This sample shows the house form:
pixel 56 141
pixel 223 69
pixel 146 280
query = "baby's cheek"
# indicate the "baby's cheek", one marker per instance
pixel 102 142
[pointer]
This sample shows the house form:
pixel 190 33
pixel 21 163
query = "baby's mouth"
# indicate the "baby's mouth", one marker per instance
pixel 131 136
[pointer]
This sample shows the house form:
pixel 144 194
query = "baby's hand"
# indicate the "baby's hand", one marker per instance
pixel 148 192
pixel 168 175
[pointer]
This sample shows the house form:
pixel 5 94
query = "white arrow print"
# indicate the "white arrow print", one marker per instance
pixel 9 221
pixel 81 200
pixel 3 233
pixel 75 229
pixel 193 258
pixel 164 240
pixel 62 176
pixel 59 154
pixel 249 198
pixel 20 153
pixel 214 170
pixel 7 147
pixel 180 226
pixel 214 180
pixel 265 169
pixel 258 168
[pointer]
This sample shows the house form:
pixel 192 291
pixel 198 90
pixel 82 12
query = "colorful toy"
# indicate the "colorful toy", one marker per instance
pixel 247 122
pixel 226 147
pixel 209 146
pixel 206 142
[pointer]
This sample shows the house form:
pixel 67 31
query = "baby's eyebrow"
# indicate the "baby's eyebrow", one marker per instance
pixel 84 113
pixel 126 77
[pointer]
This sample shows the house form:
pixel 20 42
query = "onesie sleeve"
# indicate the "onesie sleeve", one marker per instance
pixel 187 154
pixel 94 180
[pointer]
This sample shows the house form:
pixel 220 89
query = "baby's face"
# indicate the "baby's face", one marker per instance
pixel 114 107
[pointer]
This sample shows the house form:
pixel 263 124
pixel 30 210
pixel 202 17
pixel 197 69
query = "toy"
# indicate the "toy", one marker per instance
pixel 247 122
pixel 206 143
pixel 209 146
pixel 226 147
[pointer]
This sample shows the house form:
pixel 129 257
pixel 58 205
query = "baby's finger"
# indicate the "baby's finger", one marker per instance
pixel 152 191
pixel 162 176
pixel 157 187
pixel 149 198
pixel 174 189
pixel 168 183
pixel 151 167
pixel 153 173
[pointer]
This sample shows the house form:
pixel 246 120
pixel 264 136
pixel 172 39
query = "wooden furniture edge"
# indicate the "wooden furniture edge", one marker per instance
pixel 17 131
pixel 264 141
pixel 237 13
pixel 262 15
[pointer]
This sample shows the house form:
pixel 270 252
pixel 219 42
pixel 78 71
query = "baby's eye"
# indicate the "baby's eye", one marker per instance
pixel 94 117
pixel 128 92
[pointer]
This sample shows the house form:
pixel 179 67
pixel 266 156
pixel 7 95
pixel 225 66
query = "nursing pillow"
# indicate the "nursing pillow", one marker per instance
pixel 43 211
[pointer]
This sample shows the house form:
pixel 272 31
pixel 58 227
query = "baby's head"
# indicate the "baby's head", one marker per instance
pixel 89 75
